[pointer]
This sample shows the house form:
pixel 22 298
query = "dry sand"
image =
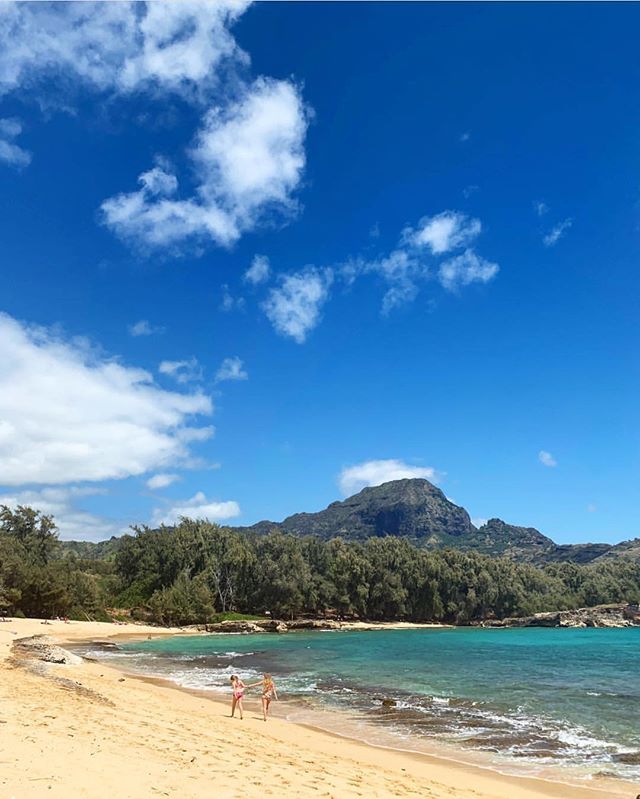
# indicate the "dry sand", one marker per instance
pixel 87 731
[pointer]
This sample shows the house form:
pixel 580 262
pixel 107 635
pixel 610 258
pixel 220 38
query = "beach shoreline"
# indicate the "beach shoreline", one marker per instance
pixel 301 759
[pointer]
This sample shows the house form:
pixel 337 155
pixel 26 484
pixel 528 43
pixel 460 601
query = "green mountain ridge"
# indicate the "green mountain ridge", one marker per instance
pixel 417 510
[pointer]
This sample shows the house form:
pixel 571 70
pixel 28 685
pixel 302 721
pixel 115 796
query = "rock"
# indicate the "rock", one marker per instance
pixel 598 616
pixel 313 624
pixel 386 702
pixel 40 647
pixel 233 627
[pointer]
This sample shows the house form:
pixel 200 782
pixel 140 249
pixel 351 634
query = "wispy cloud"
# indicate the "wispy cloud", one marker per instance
pixel 541 208
pixel 231 369
pixel 592 508
pixel 464 269
pixel 547 459
pixel 412 262
pixel 556 233
pixel 229 302
pixel 10 152
pixel 186 371
pixel 62 503
pixel 294 306
pixel 443 232
pixel 144 328
pixel 197 507
pixel 259 271
pixel 375 472
pixel 161 480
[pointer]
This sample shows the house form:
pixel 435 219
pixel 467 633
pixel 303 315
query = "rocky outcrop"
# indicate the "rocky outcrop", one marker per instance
pixel 313 624
pixel 41 647
pixel 269 626
pixel 231 627
pixel 599 616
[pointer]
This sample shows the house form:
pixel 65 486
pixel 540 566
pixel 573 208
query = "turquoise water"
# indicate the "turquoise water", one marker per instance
pixel 537 697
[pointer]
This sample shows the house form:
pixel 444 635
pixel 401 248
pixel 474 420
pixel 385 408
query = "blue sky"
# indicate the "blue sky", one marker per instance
pixel 256 257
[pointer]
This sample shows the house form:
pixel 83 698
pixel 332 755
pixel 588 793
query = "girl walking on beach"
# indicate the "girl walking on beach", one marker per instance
pixel 268 693
pixel 237 686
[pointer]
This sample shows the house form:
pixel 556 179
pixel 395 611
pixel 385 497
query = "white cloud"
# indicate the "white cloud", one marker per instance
pixel 374 473
pixel 556 233
pixel 540 207
pixel 466 268
pixel 68 413
pixel 144 328
pixel 231 369
pixel 198 507
pixel 10 152
pixel 470 190
pixel 229 302
pixel 62 503
pixel 478 522
pixel 161 481
pixel 249 158
pixel 182 371
pixel 259 271
pixel 401 271
pixel 117 47
pixel 294 307
pixel 413 262
pixel 444 232
pixel 547 459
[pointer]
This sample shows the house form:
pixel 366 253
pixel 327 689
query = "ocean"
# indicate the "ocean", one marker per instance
pixel 525 700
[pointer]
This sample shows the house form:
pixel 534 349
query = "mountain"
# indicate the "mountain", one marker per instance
pixel 419 511
pixel 577 553
pixel 507 540
pixel 625 549
pixel 413 509
pixel 89 550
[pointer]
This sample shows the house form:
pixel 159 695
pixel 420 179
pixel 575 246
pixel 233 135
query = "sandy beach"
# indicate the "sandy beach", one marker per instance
pixel 87 730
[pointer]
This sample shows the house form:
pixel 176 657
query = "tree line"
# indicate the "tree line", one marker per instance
pixel 189 573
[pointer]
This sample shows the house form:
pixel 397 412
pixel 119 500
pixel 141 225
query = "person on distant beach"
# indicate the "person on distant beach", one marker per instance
pixel 268 692
pixel 237 686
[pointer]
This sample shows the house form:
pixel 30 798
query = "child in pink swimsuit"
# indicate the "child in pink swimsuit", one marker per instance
pixel 237 686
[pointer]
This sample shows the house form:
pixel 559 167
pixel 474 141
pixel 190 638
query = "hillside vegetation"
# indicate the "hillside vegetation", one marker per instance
pixel 192 572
